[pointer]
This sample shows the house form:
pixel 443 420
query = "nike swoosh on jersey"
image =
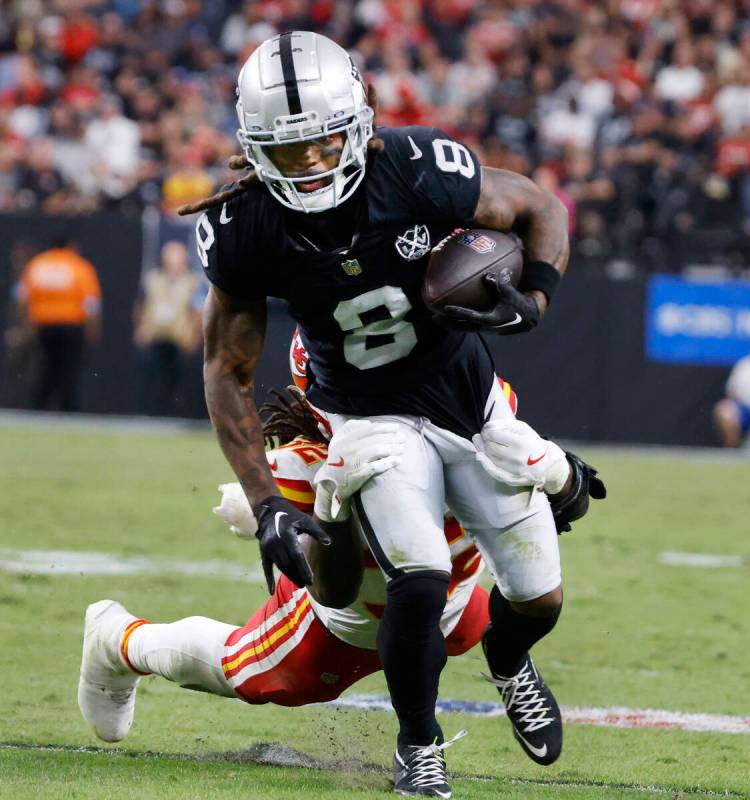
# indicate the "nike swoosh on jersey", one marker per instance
pixel 512 322
pixel 279 514
pixel 223 218
pixel 417 152
pixel 339 463
pixel 540 752
pixel 531 461
pixel 274 465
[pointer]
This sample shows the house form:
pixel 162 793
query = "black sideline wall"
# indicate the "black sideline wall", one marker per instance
pixel 581 375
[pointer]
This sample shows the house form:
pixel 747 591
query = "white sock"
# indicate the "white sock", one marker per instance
pixel 187 652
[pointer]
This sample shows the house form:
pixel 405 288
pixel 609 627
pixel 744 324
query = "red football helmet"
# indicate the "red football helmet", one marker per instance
pixel 298 361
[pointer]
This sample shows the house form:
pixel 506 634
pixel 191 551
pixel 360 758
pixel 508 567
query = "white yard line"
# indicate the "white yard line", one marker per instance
pixel 70 562
pixel 615 717
pixel 674 558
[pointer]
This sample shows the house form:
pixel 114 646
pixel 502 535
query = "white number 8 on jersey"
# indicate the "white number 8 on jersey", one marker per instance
pixel 452 156
pixel 386 337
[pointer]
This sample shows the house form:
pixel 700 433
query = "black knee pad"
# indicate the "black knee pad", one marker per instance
pixel 417 600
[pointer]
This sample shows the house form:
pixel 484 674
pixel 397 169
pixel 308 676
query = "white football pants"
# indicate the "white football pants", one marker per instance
pixel 401 511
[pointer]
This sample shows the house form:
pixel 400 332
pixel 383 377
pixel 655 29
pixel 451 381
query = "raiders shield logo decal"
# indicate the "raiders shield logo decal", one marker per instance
pixel 352 267
pixel 413 243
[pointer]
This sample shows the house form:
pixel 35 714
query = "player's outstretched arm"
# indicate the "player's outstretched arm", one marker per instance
pixel 508 201
pixel 234 333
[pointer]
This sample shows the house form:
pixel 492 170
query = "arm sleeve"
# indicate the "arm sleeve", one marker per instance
pixel 226 253
pixel 447 176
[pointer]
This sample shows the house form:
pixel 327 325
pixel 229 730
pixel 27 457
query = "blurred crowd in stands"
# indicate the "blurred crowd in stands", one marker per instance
pixel 635 112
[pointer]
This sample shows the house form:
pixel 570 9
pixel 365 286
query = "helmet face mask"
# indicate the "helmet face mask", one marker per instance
pixel 280 103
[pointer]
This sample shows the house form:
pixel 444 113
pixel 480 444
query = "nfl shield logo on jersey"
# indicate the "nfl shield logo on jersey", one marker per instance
pixel 352 267
pixel 479 242
pixel 413 243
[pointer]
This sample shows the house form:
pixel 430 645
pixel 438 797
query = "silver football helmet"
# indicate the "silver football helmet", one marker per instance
pixel 295 87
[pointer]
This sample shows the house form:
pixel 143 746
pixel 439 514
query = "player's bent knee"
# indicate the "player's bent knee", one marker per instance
pixel 547 605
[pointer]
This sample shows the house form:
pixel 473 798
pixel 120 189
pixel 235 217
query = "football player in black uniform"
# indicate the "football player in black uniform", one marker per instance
pixel 338 222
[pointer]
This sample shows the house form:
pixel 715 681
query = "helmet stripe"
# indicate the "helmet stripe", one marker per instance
pixel 290 76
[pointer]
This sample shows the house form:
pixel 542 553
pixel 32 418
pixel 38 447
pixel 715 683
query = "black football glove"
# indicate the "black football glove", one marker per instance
pixel 279 527
pixel 513 311
pixel 575 503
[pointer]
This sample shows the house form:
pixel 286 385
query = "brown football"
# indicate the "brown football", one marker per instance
pixel 458 264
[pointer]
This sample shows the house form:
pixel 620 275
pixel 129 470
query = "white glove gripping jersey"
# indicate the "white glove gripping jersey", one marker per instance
pixel 294 466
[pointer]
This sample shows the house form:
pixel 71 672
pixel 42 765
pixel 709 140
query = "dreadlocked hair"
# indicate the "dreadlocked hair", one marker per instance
pixel 374 146
pixel 288 419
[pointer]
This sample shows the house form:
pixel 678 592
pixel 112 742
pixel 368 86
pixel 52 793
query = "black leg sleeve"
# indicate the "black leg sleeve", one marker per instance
pixel 412 651
pixel 510 635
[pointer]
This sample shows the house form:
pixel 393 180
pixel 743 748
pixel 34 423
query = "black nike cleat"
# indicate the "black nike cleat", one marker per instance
pixel 533 711
pixel 420 770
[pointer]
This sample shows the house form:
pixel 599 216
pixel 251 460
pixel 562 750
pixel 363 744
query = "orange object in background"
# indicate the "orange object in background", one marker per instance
pixel 60 287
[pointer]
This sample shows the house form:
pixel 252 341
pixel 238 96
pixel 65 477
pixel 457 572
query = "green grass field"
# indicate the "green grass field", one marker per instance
pixel 634 633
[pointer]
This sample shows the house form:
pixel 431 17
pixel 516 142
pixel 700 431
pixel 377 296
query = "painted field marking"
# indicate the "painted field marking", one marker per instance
pixel 616 717
pixel 71 562
pixel 675 558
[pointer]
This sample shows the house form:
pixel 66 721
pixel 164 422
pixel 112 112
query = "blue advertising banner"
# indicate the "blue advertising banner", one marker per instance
pixel 691 322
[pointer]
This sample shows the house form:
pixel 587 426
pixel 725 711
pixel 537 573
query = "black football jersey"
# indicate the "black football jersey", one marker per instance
pixel 352 279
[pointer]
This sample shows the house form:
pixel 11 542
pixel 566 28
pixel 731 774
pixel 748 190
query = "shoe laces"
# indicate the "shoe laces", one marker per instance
pixel 523 696
pixel 426 763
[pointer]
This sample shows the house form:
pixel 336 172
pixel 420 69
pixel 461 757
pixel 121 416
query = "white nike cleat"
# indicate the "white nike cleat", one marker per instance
pixel 106 689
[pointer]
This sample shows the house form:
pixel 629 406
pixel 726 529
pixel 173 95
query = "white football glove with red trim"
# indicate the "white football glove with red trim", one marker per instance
pixel 513 453
pixel 359 450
